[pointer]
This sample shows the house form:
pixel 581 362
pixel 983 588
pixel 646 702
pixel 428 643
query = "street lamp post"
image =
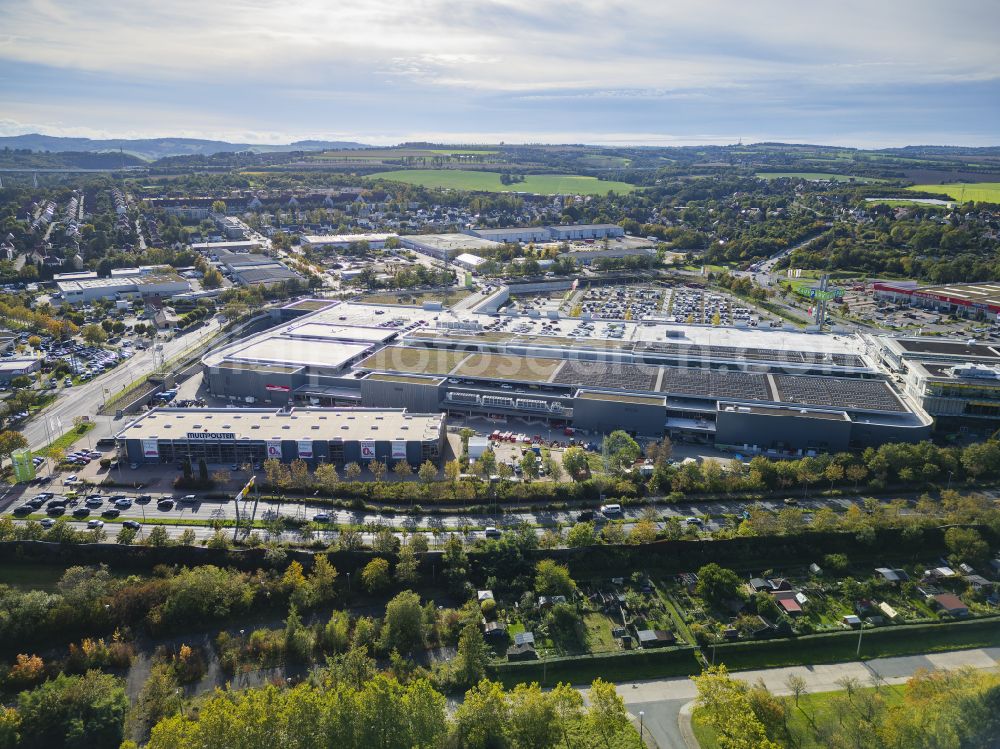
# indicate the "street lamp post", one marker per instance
pixel 642 736
pixel 861 631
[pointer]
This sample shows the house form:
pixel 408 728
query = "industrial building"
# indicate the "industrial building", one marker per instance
pixel 563 233
pixel 253 435
pixel 447 246
pixel 967 299
pixel 11 368
pixel 956 382
pixel 772 392
pixel 344 241
pixel 145 281
pixel 214 248
pixel 469 261
pixel 251 269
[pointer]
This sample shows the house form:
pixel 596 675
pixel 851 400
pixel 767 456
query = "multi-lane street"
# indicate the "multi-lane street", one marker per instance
pixel 86 399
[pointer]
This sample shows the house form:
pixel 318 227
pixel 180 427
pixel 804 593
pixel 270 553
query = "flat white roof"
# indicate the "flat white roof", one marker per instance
pixel 345 238
pixel 332 354
pixel 469 259
pixel 337 332
pixel 452 241
pixel 300 424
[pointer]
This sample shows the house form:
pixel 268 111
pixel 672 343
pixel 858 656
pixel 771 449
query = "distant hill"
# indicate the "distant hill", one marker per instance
pixel 25 159
pixel 156 148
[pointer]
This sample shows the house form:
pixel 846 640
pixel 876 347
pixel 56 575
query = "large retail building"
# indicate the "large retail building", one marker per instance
pixel 253 435
pixel 755 391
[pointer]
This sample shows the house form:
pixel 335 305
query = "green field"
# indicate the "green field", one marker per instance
pixel 980 192
pixel 812 175
pixel 546 184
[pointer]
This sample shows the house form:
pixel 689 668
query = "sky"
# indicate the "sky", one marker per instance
pixel 656 72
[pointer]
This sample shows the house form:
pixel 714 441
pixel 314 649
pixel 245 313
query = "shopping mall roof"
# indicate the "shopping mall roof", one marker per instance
pixel 298 424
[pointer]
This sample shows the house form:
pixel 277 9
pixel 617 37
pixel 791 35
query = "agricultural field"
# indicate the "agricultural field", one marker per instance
pixel 984 192
pixel 813 176
pixel 545 184
pixel 395 154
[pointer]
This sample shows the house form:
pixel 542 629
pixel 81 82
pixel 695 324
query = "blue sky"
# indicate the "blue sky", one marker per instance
pixel 870 73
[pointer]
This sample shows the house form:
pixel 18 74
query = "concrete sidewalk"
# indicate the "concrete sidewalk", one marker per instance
pixel 666 704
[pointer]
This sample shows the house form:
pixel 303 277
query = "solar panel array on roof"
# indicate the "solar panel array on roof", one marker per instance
pixel 603 374
pixel 715 383
pixel 699 352
pixel 873 395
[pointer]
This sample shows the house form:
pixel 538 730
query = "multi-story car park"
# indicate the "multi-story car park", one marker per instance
pixel 754 390
pixel 956 382
pixel 253 435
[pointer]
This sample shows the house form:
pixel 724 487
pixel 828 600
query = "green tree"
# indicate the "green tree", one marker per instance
pixel 352 471
pixel 336 636
pixel 427 473
pixel 473 656
pixel 717 584
pixel 582 534
pixel 326 476
pixel 574 460
pixel 622 450
pixel 158 536
pixel 607 716
pixel 212 279
pixel 966 545
pixel 10 442
pixel 74 711
pixel 94 335
pixel 403 624
pixel 553 579
pixel 375 575
pixel 727 708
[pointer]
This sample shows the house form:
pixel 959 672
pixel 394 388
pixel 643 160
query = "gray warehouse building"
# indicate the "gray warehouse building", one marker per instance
pixel 253 435
pixel 777 393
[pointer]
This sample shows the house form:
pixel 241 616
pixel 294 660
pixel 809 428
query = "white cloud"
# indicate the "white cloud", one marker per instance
pixel 512 45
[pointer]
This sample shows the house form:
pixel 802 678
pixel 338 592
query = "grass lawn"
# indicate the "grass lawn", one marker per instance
pixel 417 297
pixel 819 706
pixel 813 175
pixel 985 192
pixel 599 639
pixel 545 184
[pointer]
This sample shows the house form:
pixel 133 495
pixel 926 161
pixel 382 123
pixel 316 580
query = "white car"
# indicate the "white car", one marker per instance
pixel 47 522
pixel 71 479
pixel 95 523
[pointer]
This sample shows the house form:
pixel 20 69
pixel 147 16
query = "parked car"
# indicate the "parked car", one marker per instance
pixel 81 512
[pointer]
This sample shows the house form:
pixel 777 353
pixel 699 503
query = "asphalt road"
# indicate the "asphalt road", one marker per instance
pixel 86 399
pixel 201 513
pixel 662 701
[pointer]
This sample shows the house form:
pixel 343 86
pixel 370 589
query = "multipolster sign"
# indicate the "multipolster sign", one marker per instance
pixel 211 436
